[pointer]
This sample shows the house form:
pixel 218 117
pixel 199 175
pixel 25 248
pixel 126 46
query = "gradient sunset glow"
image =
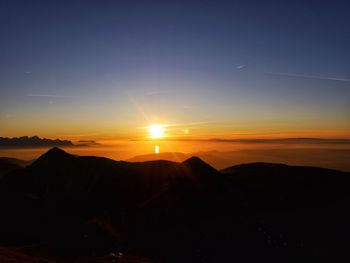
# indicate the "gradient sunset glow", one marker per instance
pixel 187 71
pixel 174 131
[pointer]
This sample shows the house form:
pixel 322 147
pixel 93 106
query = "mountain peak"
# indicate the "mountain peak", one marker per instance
pixel 53 155
pixel 55 151
pixel 195 163
pixel 194 160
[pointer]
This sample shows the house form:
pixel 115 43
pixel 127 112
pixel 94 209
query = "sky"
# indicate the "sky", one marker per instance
pixel 204 69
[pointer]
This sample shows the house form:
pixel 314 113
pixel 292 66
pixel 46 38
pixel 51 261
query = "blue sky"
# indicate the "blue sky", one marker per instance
pixel 235 66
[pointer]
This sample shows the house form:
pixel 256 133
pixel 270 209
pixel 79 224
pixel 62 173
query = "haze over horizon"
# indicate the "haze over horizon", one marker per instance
pixel 241 69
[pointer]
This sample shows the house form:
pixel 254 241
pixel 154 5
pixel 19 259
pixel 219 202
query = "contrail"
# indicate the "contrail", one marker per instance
pixel 307 76
pixel 47 96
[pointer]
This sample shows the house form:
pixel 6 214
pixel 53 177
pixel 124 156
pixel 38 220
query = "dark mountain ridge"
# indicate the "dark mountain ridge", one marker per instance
pixel 175 212
pixel 9 164
pixel 34 141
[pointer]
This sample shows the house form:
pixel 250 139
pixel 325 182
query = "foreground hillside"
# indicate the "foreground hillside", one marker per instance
pixel 68 208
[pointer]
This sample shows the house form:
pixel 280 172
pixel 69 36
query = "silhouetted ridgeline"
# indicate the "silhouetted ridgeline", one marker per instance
pixel 77 207
pixel 9 164
pixel 35 141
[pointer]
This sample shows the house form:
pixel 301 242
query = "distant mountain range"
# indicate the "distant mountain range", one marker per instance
pixel 35 141
pixel 323 157
pixel 74 208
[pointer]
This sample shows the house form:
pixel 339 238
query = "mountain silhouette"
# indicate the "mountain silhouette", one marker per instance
pixel 34 141
pixel 199 167
pixel 9 164
pixel 87 207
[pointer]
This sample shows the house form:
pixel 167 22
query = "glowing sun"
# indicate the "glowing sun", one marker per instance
pixel 156 131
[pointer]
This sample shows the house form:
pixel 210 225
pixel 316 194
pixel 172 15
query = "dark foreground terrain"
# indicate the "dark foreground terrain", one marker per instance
pixel 65 208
